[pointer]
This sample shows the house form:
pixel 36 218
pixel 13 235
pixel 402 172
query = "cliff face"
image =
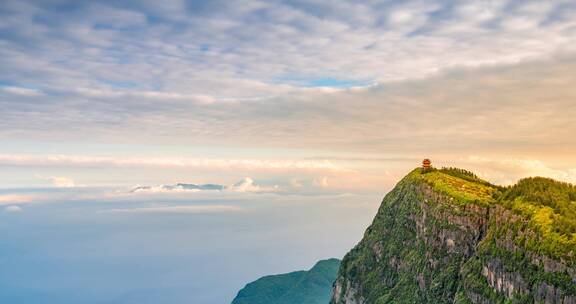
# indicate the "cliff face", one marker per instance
pixel 445 236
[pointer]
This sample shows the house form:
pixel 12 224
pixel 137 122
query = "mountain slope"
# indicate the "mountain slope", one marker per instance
pixel 446 236
pixel 301 287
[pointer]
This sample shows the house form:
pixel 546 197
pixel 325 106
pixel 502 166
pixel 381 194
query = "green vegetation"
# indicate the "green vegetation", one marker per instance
pixel 549 208
pixel 465 175
pixel 300 287
pixel 447 236
pixel 460 184
pixel 550 204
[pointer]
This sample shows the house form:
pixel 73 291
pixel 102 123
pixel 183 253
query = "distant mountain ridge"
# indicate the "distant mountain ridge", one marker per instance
pixel 446 236
pixel 180 186
pixel 300 287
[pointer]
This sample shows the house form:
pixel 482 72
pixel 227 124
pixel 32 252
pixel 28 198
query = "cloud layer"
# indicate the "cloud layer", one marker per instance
pixel 324 84
pixel 257 48
pixel 285 73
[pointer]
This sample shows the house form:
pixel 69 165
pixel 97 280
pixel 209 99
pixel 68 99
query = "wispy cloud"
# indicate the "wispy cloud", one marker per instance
pixel 10 199
pixel 22 91
pixel 154 95
pixel 196 209
pixel 60 181
pixel 13 209
pixel 167 162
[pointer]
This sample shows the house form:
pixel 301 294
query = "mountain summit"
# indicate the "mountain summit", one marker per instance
pixel 446 236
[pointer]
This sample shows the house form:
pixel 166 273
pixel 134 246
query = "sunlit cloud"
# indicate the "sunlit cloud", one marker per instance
pixel 248 185
pixel 10 199
pixel 507 171
pixel 60 181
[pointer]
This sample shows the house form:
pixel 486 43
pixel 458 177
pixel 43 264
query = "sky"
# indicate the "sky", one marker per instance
pixel 123 119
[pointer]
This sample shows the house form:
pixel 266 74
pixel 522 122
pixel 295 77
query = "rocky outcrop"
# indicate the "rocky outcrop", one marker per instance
pixel 346 293
pixel 549 294
pixel 505 282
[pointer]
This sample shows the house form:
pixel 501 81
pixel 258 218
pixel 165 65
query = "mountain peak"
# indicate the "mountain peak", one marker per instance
pixel 447 236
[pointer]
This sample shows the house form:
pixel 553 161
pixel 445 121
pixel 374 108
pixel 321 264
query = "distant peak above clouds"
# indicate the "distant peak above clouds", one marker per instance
pixel 245 185
pixel 180 187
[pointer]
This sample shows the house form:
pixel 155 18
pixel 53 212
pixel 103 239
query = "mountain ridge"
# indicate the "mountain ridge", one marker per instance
pixel 299 287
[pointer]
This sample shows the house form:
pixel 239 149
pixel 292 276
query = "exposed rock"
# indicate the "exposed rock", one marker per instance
pixel 502 281
pixel 346 293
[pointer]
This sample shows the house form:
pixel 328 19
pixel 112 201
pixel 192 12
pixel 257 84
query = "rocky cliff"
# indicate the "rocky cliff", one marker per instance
pixel 446 236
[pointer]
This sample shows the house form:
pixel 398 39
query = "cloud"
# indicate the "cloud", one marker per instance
pixel 59 181
pixel 461 110
pixel 22 91
pixel 248 185
pixel 508 170
pixel 321 182
pixel 438 78
pixel 166 162
pixel 13 209
pixel 253 49
pixel 10 199
pixel 245 185
pixel 243 76
pixel 154 95
pixel 196 209
pixel 63 182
